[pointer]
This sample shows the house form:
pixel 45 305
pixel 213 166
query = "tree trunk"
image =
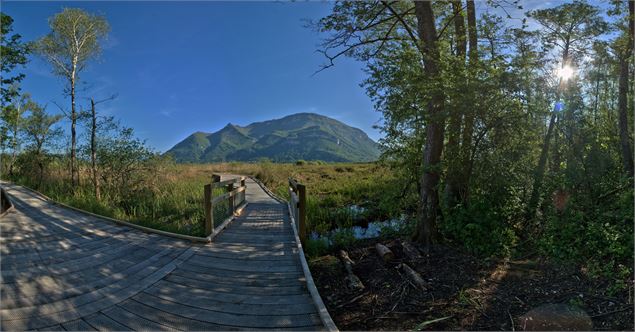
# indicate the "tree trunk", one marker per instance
pixel 428 210
pixel 74 173
pixel 540 169
pixel 14 140
pixel 454 130
pixel 622 102
pixel 472 35
pixel 13 150
pixel 93 150
pixel 470 113
pixel 459 28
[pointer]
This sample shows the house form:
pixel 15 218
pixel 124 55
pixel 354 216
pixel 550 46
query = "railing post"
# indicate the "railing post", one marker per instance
pixel 209 206
pixel 244 193
pixel 232 197
pixel 301 212
pixel 209 210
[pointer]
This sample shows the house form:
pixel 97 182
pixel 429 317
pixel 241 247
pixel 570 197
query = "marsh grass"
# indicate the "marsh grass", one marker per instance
pixel 172 200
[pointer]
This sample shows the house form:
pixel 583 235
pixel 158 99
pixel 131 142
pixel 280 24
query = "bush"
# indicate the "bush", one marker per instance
pixel 480 229
pixel 602 240
pixel 316 247
pixel 300 162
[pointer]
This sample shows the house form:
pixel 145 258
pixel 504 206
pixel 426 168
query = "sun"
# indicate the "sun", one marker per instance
pixel 566 72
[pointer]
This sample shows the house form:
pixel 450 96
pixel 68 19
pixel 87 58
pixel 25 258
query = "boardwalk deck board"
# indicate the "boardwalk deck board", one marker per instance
pixel 77 325
pixel 102 322
pixel 65 270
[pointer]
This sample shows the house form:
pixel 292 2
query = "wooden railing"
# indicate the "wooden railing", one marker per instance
pixel 231 191
pixel 297 202
pixel 5 202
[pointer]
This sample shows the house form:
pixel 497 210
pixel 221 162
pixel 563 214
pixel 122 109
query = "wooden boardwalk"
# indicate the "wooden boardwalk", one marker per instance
pixel 65 270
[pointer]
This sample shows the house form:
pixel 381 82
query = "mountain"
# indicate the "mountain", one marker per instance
pixel 305 136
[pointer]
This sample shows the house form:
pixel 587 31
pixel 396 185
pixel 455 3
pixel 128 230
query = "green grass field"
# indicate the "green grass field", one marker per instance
pixel 173 200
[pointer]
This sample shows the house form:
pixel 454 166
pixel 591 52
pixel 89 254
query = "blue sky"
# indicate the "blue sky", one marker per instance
pixel 182 67
pixel 195 66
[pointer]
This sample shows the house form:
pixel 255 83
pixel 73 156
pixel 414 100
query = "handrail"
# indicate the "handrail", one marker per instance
pixel 5 202
pixel 235 195
pixel 297 202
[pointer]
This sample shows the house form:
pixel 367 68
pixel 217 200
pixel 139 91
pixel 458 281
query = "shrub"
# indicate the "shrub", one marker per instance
pixel 480 229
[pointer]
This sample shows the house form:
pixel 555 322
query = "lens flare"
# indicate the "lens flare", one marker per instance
pixel 565 73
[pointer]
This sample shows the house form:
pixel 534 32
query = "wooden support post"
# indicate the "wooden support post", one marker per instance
pixel 209 210
pixel 232 198
pixel 209 207
pixel 244 193
pixel 302 212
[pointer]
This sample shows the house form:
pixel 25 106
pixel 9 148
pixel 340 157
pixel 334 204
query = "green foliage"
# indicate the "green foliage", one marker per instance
pixel 583 216
pixel 480 229
pixel 74 40
pixel 343 239
pixel 14 53
pixel 601 238
pixel 316 247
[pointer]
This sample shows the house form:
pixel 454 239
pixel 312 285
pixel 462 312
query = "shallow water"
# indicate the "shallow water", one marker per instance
pixel 373 230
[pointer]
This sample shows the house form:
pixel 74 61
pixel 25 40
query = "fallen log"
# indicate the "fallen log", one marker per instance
pixel 413 276
pixel 351 279
pixel 410 251
pixel 386 254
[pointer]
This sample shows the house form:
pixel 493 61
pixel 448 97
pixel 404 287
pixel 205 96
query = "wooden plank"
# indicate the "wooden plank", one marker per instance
pixel 79 275
pixel 238 230
pixel 56 327
pixel 241 267
pixel 242 320
pixel 244 290
pixel 135 322
pixel 166 287
pixel 260 264
pixel 236 281
pixel 168 319
pixel 258 237
pixel 119 295
pixel 144 269
pixel 240 274
pixel 224 183
pixel 221 198
pixel 59 256
pixel 77 325
pixel 56 291
pixel 102 322
pixel 76 264
pixel 253 256
pixel 257 244
pixel 210 303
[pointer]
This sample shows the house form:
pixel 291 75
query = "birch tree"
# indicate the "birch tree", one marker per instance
pixel 74 40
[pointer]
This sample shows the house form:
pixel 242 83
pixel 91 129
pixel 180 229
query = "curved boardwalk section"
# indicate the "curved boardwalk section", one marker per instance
pixel 64 270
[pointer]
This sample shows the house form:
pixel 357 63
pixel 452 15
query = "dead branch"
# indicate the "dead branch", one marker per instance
pixel 351 279
pixel 414 276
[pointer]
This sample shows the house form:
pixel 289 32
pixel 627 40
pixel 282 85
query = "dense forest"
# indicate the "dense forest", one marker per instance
pixel 512 138
pixel 505 137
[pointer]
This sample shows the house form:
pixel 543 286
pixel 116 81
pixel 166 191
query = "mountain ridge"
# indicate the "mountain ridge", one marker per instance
pixel 307 136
